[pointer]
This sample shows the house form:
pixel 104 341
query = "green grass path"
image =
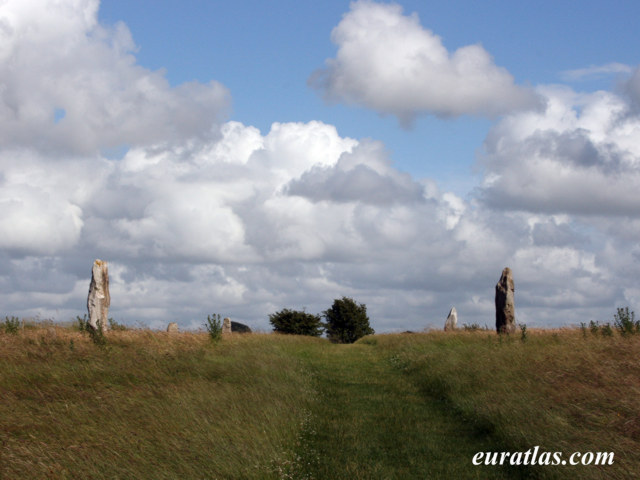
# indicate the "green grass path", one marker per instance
pixel 369 421
pixel 150 405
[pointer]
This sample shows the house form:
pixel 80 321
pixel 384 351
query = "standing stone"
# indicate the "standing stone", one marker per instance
pixel 226 326
pixel 505 307
pixel 452 320
pixel 172 327
pixel 98 300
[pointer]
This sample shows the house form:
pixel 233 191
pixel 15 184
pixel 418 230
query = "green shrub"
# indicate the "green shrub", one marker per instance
pixel 523 332
pixel 113 325
pixel 625 322
pixel 296 323
pixel 583 328
pixel 11 325
pixel 214 327
pixel 96 334
pixel 346 321
pixel 82 323
pixel 605 329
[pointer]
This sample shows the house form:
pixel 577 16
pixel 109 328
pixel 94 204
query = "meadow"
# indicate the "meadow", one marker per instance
pixel 155 405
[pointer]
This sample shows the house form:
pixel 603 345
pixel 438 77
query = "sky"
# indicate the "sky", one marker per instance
pixel 244 157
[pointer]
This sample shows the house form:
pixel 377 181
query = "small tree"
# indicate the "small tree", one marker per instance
pixel 347 321
pixel 296 323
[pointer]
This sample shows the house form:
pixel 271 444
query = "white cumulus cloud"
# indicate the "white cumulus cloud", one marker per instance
pixel 390 63
pixel 77 84
pixel 579 156
pixel 202 215
pixel 363 175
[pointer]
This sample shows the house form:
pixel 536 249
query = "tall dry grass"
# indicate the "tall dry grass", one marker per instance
pixel 561 390
pixel 157 405
pixel 147 405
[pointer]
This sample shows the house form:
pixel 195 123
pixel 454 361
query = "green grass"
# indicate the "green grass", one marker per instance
pixel 148 405
pixel 558 390
pixel 152 405
pixel 371 422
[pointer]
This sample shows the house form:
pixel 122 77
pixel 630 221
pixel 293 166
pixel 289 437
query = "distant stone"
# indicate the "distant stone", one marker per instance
pixel 505 307
pixel 99 300
pixel 238 327
pixel 226 326
pixel 173 328
pixel 452 320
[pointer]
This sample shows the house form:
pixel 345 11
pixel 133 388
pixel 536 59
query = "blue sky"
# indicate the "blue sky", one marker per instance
pixel 243 157
pixel 264 52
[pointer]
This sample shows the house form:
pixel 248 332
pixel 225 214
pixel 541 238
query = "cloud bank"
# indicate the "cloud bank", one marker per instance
pixel 388 62
pixel 198 214
pixel 77 84
pixel 580 156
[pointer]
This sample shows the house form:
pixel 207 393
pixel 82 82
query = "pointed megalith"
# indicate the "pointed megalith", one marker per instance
pixel 452 320
pixel 98 300
pixel 505 307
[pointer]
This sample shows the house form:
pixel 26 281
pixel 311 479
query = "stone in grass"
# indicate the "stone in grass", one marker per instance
pixel 505 307
pixel 99 300
pixel 173 328
pixel 226 326
pixel 238 327
pixel 452 320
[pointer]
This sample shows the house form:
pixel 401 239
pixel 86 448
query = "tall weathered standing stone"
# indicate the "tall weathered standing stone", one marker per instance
pixel 226 326
pixel 98 300
pixel 505 307
pixel 452 320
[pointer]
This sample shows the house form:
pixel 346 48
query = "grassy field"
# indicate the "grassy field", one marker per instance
pixel 177 406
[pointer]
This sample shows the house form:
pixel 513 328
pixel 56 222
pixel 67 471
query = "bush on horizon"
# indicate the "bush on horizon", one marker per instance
pixel 296 322
pixel 347 321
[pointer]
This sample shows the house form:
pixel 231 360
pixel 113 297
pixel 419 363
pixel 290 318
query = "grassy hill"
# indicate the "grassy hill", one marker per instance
pixel 177 406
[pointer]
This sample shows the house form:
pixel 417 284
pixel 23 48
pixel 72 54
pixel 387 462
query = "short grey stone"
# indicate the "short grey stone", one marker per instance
pixel 226 326
pixel 173 328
